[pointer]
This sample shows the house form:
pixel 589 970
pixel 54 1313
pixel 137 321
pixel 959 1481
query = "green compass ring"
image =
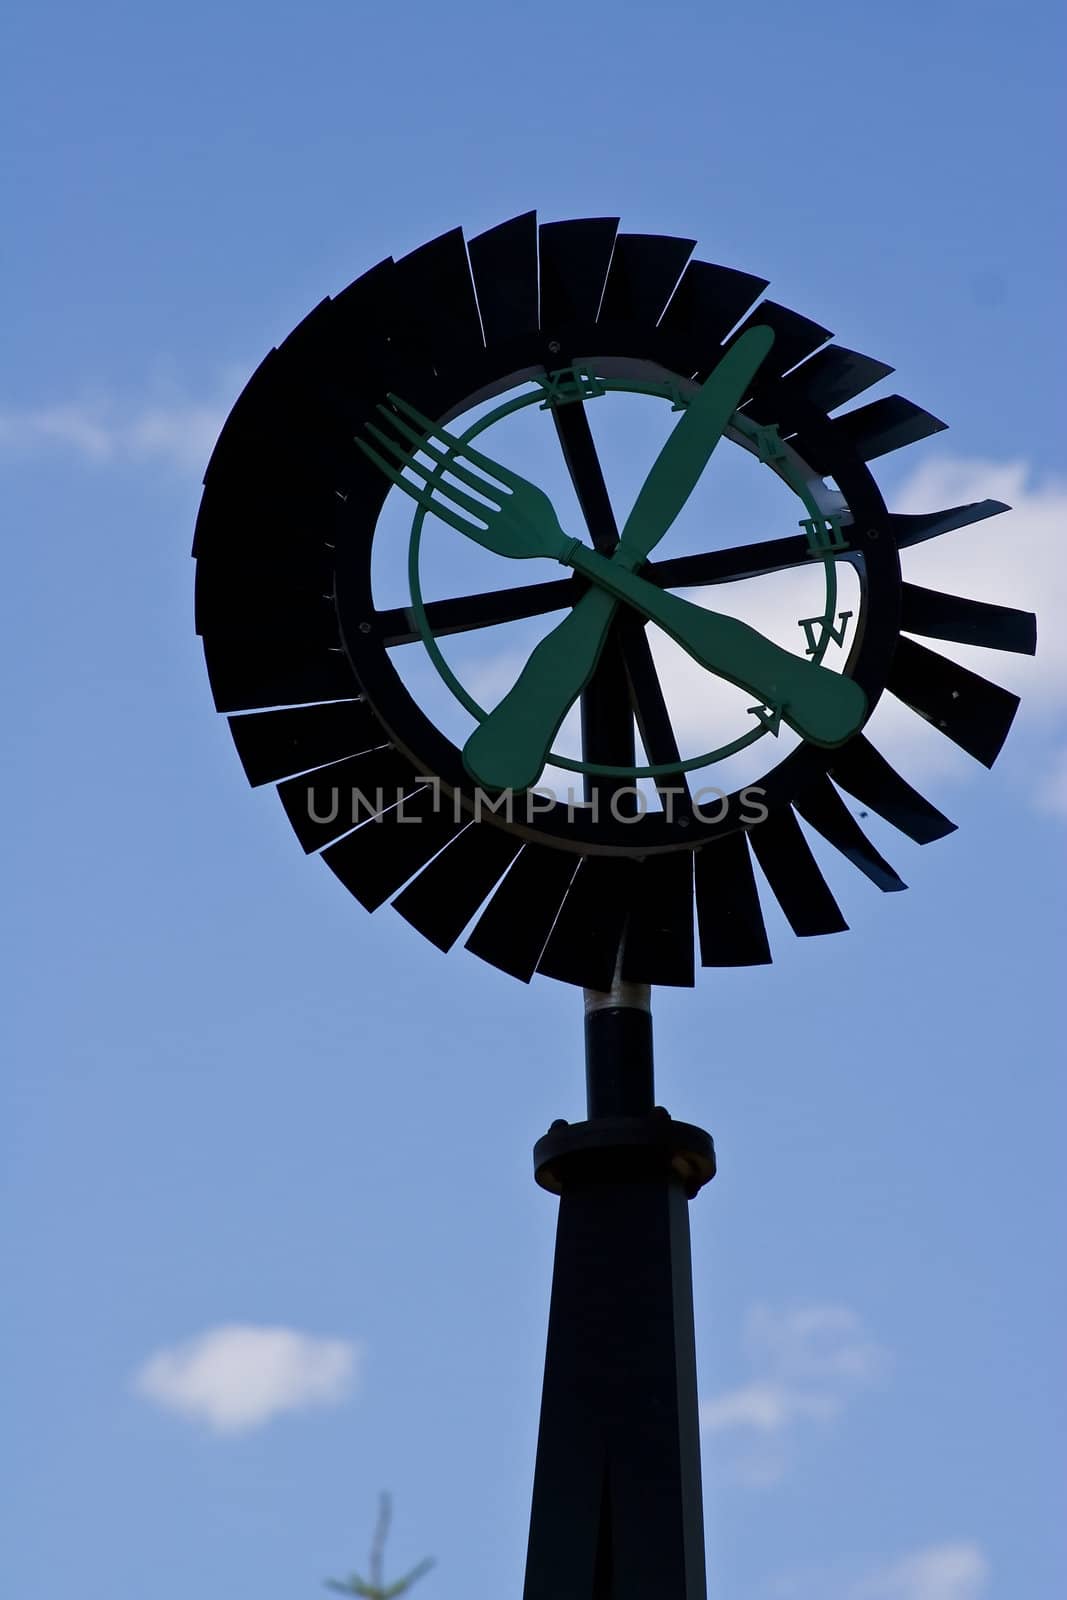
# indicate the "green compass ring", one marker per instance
pixel 562 387
pixel 647 360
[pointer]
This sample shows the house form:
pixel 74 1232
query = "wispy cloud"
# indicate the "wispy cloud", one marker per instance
pixel 177 431
pixel 957 1571
pixel 768 1406
pixel 237 1377
pixel 810 1361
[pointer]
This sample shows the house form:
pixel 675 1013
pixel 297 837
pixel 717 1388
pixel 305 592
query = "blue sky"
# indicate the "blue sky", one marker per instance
pixel 242 1113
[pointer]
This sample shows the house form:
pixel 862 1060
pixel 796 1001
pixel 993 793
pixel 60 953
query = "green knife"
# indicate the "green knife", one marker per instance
pixel 508 749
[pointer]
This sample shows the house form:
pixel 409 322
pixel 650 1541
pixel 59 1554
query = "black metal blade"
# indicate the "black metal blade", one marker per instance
pixel 277 588
pixel 574 258
pixel 261 402
pixel 365 310
pixel 886 425
pixel 380 857
pixel 268 517
pixel 824 809
pixel 834 376
pixel 583 947
pixel 658 944
pixel 729 915
pixel 950 616
pixel 385 343
pixel 446 894
pixel 269 509
pixel 874 430
pixel 434 287
pixel 645 267
pixel 513 929
pixel 916 530
pixel 831 378
pixel 707 303
pixel 794 338
pixel 279 474
pixel 323 805
pixel 267 615
pixel 274 744
pixel 794 876
pixel 481 610
pixel 290 429
pixel 969 710
pixel 862 772
pixel 504 264
pixel 250 672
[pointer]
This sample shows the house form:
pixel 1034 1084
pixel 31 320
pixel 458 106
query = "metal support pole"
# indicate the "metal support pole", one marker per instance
pixel 618 1051
pixel 617 1510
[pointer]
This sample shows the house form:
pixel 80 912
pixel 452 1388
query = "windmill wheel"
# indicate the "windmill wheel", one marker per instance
pixel 398 384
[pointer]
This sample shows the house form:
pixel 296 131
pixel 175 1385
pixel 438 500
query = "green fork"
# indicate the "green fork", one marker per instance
pixel 512 517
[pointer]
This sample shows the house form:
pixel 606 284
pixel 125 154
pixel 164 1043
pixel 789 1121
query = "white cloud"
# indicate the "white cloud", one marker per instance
pixel 951 1570
pixel 817 1343
pixel 810 1361
pixel 956 1571
pixel 767 1406
pixel 180 432
pixel 70 426
pixel 238 1377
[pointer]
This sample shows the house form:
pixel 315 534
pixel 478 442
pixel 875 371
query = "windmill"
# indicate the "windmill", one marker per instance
pixel 398 392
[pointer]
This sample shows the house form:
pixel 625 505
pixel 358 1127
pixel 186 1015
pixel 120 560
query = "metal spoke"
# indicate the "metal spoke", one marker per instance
pixel 470 611
pixel 586 473
pixel 608 723
pixel 726 566
pixel 607 716
pixel 652 716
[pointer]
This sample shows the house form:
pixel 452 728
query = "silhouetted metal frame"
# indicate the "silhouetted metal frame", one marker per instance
pixel 296 647
pixel 284 602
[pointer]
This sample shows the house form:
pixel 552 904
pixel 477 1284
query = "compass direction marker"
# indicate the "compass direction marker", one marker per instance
pixel 568 385
pixel 824 536
pixel 827 631
pixel 769 445
pixel 769 717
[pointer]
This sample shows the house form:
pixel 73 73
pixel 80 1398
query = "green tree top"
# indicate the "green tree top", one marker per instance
pixel 373 1588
